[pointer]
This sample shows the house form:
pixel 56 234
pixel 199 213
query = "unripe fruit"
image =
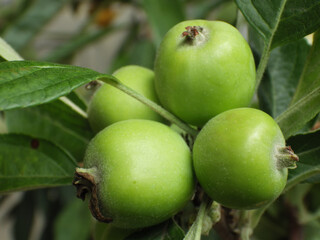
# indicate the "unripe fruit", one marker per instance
pixel 139 172
pixel 110 105
pixel 241 160
pixel 203 68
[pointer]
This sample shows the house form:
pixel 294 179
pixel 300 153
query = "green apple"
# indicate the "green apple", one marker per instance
pixel 110 105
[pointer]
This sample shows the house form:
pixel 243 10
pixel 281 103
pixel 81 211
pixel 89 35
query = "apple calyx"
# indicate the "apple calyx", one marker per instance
pixel 194 35
pixel 287 158
pixel 86 181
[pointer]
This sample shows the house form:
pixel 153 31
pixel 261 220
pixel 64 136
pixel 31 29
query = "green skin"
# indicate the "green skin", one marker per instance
pixel 198 79
pixel 110 105
pixel 235 159
pixel 145 172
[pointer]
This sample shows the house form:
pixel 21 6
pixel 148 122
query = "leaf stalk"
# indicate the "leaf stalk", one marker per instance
pixel 157 108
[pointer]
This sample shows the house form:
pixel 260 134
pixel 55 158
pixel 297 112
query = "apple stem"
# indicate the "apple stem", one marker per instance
pixel 86 181
pixel 287 158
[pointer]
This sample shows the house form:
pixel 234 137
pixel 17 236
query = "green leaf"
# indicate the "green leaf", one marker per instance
pixel 162 16
pixel 307 146
pixel 305 104
pixel 28 83
pixel 282 75
pixel 55 122
pixel 31 22
pixel 310 78
pixel 298 114
pixel 74 222
pixel 304 142
pixel 7 52
pixel 281 21
pixel 29 163
pixel 195 231
pixel 166 231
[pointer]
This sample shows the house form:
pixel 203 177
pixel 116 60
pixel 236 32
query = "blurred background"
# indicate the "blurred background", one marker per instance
pixel 103 36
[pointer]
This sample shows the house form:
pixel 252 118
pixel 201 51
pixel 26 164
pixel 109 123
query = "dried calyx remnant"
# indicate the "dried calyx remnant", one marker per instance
pixel 195 35
pixel 287 158
pixel 85 180
pixel 192 32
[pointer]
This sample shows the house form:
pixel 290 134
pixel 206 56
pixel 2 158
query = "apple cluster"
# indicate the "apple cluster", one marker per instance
pixel 140 171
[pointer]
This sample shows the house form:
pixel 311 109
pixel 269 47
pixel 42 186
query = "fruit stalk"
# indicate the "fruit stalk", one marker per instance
pixel 157 108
